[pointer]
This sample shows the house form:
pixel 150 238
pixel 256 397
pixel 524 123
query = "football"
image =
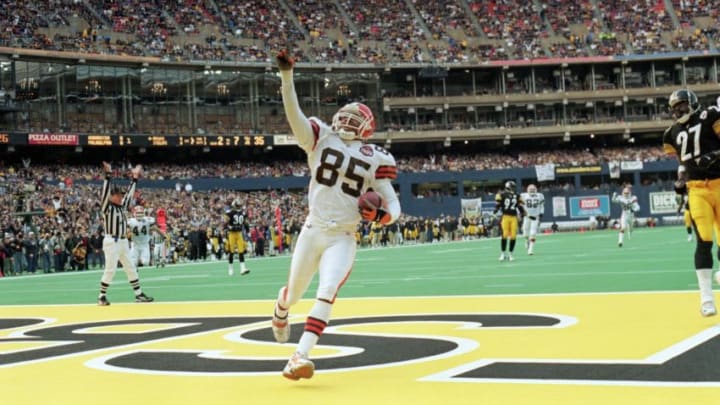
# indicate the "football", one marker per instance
pixel 370 200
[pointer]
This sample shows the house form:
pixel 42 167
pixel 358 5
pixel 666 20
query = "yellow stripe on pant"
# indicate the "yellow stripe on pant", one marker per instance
pixel 704 202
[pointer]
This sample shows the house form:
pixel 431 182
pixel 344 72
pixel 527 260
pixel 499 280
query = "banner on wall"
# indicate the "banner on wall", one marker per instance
pixel 588 206
pixel 545 172
pixel 631 165
pixel 470 207
pixel 663 202
pixel 577 169
pixel 614 169
pixel 559 206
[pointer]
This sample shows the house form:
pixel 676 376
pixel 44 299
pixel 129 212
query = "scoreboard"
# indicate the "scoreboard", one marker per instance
pixel 212 141
pixel 144 141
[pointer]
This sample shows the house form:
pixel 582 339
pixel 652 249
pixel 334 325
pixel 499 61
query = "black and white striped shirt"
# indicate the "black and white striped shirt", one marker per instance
pixel 114 216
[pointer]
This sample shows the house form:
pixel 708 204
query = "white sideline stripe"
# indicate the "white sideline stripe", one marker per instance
pixel 384 298
pixel 588 235
pixel 469 275
pixel 503 285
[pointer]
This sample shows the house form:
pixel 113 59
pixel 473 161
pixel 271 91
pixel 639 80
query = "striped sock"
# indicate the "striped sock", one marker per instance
pixel 314 325
pixel 280 312
pixel 103 289
pixel 136 286
pixel 313 329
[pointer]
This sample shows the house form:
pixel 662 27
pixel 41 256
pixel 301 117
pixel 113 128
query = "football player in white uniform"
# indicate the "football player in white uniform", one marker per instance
pixel 629 206
pixel 140 226
pixel 342 168
pixel 535 208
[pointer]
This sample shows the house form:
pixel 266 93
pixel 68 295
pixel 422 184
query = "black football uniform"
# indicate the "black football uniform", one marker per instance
pixel 236 223
pixel 689 138
pixel 510 204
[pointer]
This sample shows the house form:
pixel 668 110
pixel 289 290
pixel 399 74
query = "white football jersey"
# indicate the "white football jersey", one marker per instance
pixel 534 203
pixel 627 203
pixel 340 172
pixel 140 228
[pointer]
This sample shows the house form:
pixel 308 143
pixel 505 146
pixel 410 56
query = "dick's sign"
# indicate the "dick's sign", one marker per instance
pixel 663 202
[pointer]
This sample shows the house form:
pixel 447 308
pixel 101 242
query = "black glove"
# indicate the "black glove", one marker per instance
pixel 680 187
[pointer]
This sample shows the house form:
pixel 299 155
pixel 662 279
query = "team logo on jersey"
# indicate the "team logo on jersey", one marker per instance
pixel 366 150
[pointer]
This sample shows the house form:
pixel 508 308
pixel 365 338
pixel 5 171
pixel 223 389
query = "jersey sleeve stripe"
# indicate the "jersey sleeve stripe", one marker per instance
pixel 316 132
pixel 386 172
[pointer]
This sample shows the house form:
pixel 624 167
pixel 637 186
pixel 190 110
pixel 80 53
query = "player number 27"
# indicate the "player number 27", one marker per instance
pixel 682 140
pixel 328 172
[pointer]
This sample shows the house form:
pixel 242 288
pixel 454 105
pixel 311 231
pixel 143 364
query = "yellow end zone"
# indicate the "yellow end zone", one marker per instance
pixel 602 328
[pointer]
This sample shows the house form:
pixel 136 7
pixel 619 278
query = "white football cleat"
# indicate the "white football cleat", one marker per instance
pixel 230 271
pixel 510 257
pixel 690 238
pixel 530 252
pixel 299 367
pixel 502 257
pixel 244 271
pixel 708 309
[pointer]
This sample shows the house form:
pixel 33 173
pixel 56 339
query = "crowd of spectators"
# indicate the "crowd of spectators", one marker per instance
pixel 405 163
pixel 68 217
pixel 65 234
pixel 56 227
pixel 374 31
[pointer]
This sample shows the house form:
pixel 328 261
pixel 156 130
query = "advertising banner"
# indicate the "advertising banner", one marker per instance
pixel 53 139
pixel 591 205
pixel 663 202
pixel 559 206
pixel 545 172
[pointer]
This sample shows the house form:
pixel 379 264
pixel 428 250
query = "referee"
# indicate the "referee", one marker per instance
pixel 114 205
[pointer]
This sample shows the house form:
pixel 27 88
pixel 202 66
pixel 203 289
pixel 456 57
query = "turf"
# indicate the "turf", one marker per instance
pixel 651 260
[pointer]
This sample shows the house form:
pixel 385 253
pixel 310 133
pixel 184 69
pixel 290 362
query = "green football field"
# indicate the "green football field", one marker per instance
pixel 581 322
pixel 659 259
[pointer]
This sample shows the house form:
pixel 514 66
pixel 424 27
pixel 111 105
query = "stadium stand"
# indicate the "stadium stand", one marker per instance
pixel 457 86
pixel 368 31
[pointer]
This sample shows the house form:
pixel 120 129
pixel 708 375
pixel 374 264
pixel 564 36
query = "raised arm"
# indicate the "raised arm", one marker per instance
pixel 299 123
pixel 105 195
pixel 136 172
